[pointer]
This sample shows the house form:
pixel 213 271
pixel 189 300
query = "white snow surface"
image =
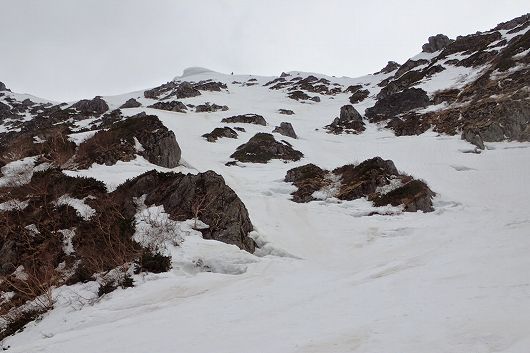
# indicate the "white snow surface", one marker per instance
pixel 328 278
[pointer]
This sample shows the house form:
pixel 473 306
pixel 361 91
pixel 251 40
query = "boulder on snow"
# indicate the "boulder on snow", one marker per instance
pixel 131 103
pixel 91 106
pixel 285 111
pixel 285 129
pixel 390 66
pixel 246 119
pixel 349 121
pixel 435 43
pixel 204 196
pixel 3 87
pixel 142 134
pixel 210 108
pixel 220 132
pixel 172 106
pixel 397 103
pixel 262 147
pixel 376 179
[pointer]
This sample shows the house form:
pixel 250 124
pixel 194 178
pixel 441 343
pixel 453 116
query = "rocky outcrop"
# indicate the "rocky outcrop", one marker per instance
pixel 58 243
pixel 285 112
pixel 143 135
pixel 359 95
pixel 220 132
pixel 376 179
pixel 93 106
pixel 298 95
pixel 172 106
pixel 285 129
pixel 204 196
pixel 3 87
pixel 263 147
pixel 390 66
pixel 131 103
pixel 397 103
pixel 246 119
pixel 436 43
pixel 186 90
pixel 210 108
pixel 349 121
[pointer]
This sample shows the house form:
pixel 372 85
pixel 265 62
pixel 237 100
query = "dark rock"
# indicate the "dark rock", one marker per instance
pixel 409 65
pixel 359 95
pixel 363 180
pixel 415 196
pixel 172 106
pixel 246 119
pixel 131 103
pixel 238 128
pixel 408 125
pixel 349 121
pixel 435 43
pixel 210 108
pixel 473 136
pixel 3 87
pixel 298 95
pixel 397 103
pixel 285 129
pixel 120 142
pixel 315 99
pixel 186 90
pixel 308 179
pixel 210 86
pixel 285 111
pixel 204 196
pixel 93 106
pixel 516 22
pixel 220 132
pixel 390 66
pixel 262 147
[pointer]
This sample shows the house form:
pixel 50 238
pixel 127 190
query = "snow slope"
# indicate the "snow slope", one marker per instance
pixel 328 278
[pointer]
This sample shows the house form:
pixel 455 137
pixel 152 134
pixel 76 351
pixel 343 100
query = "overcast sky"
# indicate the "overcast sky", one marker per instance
pixel 68 49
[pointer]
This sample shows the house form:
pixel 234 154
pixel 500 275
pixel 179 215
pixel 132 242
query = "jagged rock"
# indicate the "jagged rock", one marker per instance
pixel 376 179
pixel 308 179
pixel 205 196
pixel 220 132
pixel 435 43
pixel 144 135
pixel 172 106
pixel 209 108
pixel 262 147
pixel 359 95
pixel 131 103
pixel 298 95
pixel 209 86
pixel 397 103
pixel 414 195
pixel 93 106
pixel 473 137
pixel 285 129
pixel 186 90
pixel 390 66
pixel 285 111
pixel 349 121
pixel 524 19
pixel 409 65
pixel 3 87
pixel 246 119
pixel 408 124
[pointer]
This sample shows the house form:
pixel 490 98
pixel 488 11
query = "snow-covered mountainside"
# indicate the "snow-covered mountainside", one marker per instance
pixel 299 213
